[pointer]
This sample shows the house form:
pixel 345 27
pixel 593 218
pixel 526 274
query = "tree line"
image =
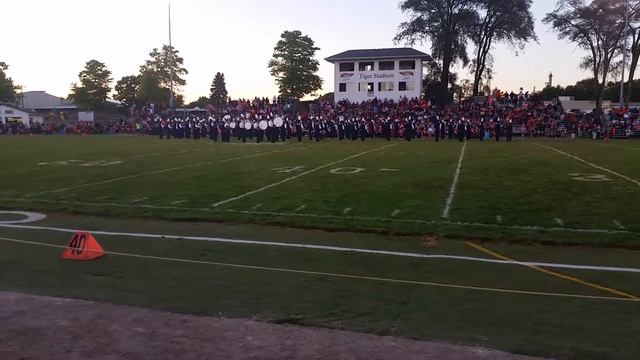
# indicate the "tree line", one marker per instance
pixel 293 66
pixel 450 26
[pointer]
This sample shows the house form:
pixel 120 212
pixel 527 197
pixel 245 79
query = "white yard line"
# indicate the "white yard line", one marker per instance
pixel 618 224
pixel 346 210
pixel 121 178
pixel 499 219
pixel 278 183
pixel 454 184
pixel 139 200
pixel 326 248
pixel 395 213
pixel 335 275
pixel 559 221
pixel 588 163
pixel 390 170
pixel 300 208
pixel 178 202
pixel 256 207
pixel 321 216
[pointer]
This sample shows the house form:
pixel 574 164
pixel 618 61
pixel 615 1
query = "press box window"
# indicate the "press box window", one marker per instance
pixel 347 67
pixel 342 87
pixel 407 65
pixel 386 65
pixel 406 86
pixel 366 66
pixel 365 87
pixel 385 86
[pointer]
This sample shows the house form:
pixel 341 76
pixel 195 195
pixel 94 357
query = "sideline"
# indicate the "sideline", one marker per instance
pixel 326 248
pixel 555 274
pixel 338 275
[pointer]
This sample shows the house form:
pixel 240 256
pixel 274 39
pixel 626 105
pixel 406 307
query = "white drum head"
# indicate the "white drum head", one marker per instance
pixel 247 125
pixel 278 122
pixel 263 125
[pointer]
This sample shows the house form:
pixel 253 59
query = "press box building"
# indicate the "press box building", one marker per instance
pixel 362 75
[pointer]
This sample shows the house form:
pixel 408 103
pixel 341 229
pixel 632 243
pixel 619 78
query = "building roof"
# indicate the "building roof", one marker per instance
pixel 376 54
pixel 40 100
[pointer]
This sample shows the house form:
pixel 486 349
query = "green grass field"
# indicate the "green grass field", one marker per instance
pixel 526 201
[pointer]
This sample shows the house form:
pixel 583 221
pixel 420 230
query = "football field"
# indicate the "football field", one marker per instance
pixel 543 189
pixel 529 247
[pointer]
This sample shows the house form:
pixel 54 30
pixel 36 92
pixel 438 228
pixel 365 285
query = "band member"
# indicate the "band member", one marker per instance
pixel 510 131
pixel 299 129
pixel 497 129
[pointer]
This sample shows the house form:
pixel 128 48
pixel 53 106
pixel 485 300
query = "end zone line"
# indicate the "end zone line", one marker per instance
pixel 325 247
pixel 556 274
pixel 120 178
pixel 587 162
pixel 297 176
pixel 454 184
pixel 337 275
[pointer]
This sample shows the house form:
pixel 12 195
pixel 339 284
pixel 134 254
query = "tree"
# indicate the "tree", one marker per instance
pixel 446 25
pixel 219 92
pixel 95 85
pixel 155 76
pixel 201 103
pixel 294 66
pixel 162 62
pixel 507 21
pixel 634 31
pixel 126 89
pixel 8 90
pixel 596 27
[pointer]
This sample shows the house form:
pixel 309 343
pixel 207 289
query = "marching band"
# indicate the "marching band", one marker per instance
pixel 276 128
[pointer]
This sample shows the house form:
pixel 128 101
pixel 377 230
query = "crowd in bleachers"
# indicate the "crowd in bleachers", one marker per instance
pixel 527 115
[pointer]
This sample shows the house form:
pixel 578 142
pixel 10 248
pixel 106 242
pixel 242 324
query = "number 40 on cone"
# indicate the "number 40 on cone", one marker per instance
pixel 82 246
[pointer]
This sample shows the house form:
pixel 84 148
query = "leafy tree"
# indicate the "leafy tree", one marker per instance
pixel 507 21
pixel 596 27
pixel 8 90
pixel 201 103
pixel 126 89
pixel 634 31
pixel 95 85
pixel 294 66
pixel 551 92
pixel 431 82
pixel 155 76
pixel 219 92
pixel 161 63
pixel 446 24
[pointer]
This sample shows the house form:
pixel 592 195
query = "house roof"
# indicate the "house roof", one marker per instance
pixel 40 100
pixel 376 54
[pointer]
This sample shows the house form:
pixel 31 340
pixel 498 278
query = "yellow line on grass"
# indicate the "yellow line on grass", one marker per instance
pixel 553 273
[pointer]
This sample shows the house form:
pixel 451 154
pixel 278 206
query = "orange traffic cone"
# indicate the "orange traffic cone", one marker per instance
pixel 82 246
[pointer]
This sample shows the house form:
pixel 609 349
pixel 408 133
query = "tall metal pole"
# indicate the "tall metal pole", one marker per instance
pixel 624 54
pixel 171 101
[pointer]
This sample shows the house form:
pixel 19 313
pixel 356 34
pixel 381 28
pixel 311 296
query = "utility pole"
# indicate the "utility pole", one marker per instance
pixel 624 53
pixel 171 101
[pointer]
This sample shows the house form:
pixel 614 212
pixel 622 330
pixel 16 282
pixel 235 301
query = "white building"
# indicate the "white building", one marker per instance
pixel 10 114
pixel 362 75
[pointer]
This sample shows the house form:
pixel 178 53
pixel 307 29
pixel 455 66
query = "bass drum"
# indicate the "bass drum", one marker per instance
pixel 247 125
pixel 263 125
pixel 278 122
pixel 233 125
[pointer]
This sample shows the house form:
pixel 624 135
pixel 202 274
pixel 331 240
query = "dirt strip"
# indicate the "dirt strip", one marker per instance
pixel 38 327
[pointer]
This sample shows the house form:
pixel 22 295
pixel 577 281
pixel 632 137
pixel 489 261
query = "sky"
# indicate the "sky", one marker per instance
pixel 46 43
